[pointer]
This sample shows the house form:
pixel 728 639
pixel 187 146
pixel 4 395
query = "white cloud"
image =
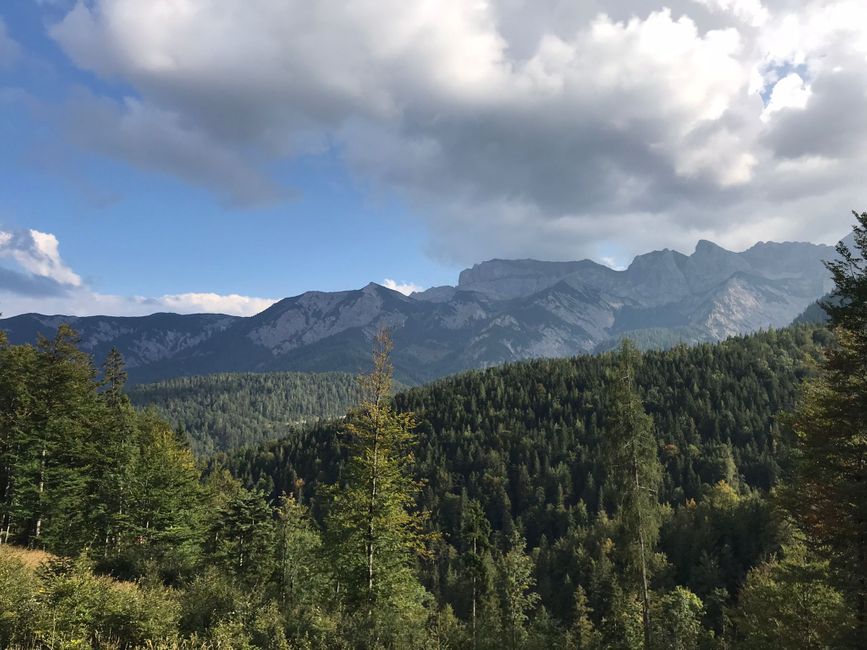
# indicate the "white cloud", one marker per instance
pixel 215 303
pixel 42 282
pixel 84 302
pixel 38 253
pixel 405 288
pixel 788 92
pixel 159 140
pixel 542 129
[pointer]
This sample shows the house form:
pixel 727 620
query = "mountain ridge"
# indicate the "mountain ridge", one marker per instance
pixel 499 311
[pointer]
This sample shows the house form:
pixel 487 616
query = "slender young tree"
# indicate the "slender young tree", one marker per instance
pixel 516 591
pixel 374 531
pixel 632 462
pixel 475 535
pixel 829 493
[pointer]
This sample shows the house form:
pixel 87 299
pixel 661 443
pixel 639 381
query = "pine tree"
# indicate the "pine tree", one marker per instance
pixel 374 532
pixel 829 493
pixel 633 465
pixel 110 489
pixel 583 634
pixel 165 502
pixel 242 537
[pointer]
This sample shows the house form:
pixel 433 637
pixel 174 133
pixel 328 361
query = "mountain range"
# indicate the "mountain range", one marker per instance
pixel 500 311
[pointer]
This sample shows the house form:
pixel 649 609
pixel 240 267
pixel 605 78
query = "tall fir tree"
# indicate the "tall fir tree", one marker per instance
pixel 632 462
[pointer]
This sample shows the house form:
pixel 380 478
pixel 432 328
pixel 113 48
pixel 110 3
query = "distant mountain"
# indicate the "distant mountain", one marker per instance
pixel 500 311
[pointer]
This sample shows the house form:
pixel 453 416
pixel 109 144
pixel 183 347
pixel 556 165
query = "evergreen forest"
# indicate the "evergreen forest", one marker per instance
pixel 224 411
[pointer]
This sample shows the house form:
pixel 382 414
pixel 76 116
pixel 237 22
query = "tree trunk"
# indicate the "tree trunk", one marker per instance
pixel 41 490
pixel 473 619
pixel 370 513
pixel 861 606
pixel 7 516
pixel 645 592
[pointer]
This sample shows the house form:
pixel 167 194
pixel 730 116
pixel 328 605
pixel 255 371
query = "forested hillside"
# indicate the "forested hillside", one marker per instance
pixel 705 497
pixel 521 545
pixel 229 410
pixel 521 444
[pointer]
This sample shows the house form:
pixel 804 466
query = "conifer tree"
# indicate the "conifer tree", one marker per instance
pixel 829 493
pixel 242 537
pixel 583 634
pixel 374 532
pixel 633 466
pixel 62 443
pixel 475 533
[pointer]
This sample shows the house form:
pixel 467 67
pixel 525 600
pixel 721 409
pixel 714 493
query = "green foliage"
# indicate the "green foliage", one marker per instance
pixel 789 604
pixel 64 604
pixel 678 620
pixel 633 467
pixel 520 448
pixel 20 611
pixel 241 537
pixel 529 475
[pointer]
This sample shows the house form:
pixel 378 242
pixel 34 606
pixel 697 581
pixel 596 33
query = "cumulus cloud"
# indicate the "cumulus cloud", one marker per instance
pixel 405 288
pixel 215 303
pixel 42 282
pixel 39 254
pixel 542 129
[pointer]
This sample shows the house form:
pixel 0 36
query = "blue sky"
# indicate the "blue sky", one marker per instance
pixel 130 231
pixel 195 154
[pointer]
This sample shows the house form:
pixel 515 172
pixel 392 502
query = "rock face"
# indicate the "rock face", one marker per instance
pixel 500 311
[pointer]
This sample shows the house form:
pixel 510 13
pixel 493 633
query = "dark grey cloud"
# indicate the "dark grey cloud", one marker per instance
pixel 833 124
pixel 512 127
pixel 26 284
pixel 158 140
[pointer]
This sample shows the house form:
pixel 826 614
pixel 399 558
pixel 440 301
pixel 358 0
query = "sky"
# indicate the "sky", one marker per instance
pixel 215 155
